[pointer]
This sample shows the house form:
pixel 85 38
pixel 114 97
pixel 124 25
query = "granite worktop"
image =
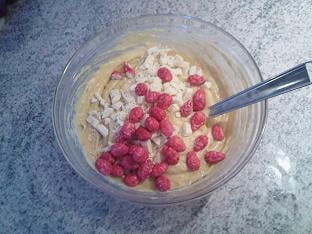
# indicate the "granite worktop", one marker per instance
pixel 41 193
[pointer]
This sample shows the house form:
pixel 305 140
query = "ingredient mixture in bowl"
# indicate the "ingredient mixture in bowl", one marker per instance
pixel 142 120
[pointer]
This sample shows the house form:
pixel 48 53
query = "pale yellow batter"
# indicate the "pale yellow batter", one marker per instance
pixel 179 174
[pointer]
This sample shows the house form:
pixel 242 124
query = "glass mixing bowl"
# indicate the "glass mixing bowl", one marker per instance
pixel 221 52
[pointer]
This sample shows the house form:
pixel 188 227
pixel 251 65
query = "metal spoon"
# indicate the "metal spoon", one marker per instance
pixel 287 81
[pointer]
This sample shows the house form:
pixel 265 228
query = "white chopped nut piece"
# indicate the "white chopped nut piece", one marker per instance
pixel 171 91
pixel 177 72
pixel 149 61
pixel 129 106
pixel 207 84
pixel 163 139
pixel 103 103
pixel 174 107
pixel 175 81
pixel 163 60
pixel 157 158
pixel 150 79
pixel 95 113
pixel 159 140
pixel 188 85
pixel 153 70
pixel 117 105
pixel 120 123
pixel 156 140
pixel 132 102
pixel 193 70
pixel 178 114
pixel 166 85
pixel 188 93
pixel 156 85
pixel 156 134
pixel 199 72
pixel 107 112
pixel 127 97
pixel 115 129
pixel 102 130
pixel 178 99
pixel 147 145
pixel 125 108
pixel 115 95
pixel 187 130
pixel 121 116
pixel 181 86
pixel 170 61
pixel 98 96
pixel 177 60
pixel 104 149
pixel 185 67
pixel 140 100
pixel 95 123
pixel 124 94
pixel 107 121
pixel 92 121
pixel 93 100
pixel 141 77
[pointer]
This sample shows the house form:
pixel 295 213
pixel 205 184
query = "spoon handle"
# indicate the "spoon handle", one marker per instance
pixel 289 80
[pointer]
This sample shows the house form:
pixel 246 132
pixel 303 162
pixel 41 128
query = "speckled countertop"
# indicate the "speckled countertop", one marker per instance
pixel 40 193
